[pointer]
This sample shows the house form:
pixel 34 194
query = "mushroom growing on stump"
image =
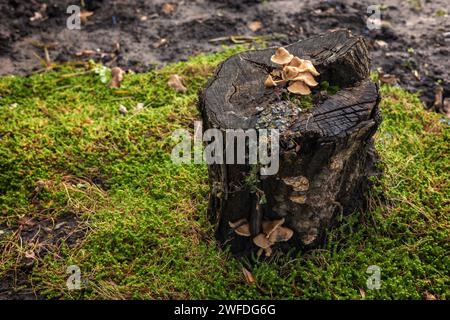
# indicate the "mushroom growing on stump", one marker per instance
pixel 326 152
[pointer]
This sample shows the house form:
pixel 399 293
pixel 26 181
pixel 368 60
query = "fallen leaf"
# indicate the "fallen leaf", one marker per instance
pixel 123 109
pixel 438 98
pixel 381 43
pixel 176 83
pixel 429 296
pixel 248 276
pixel 139 107
pixel 388 78
pixel 36 16
pixel 86 53
pixel 255 25
pixel 168 8
pixel 161 42
pixel 446 107
pixel 84 15
pixel 362 293
pixel 117 77
pixel 30 254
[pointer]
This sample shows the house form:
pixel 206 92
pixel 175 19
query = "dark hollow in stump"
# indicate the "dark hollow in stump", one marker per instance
pixel 326 151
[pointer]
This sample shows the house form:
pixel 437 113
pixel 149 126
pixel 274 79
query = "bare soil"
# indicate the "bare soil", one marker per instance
pixel 412 44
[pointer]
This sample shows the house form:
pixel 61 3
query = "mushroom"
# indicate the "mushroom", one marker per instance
pixel 269 82
pixel 289 73
pixel 307 78
pixel 299 87
pixel 281 56
pixel 261 241
pixel 241 227
pixel 280 234
pixel 270 226
pixel 307 66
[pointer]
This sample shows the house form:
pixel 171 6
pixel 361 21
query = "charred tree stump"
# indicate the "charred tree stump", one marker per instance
pixel 326 151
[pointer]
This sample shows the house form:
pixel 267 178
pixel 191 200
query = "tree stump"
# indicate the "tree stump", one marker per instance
pixel 326 151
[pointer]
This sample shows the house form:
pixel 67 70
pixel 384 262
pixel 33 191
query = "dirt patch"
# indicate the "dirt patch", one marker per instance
pixel 26 240
pixel 40 236
pixel 412 45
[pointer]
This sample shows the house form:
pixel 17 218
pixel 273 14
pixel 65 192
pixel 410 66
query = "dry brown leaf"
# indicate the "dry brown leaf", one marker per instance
pixel 123 109
pixel 30 254
pixel 429 296
pixel 84 15
pixel 117 77
pixel 248 276
pixel 176 83
pixel 255 25
pixel 362 293
pixel 388 78
pixel 168 8
pixel 161 42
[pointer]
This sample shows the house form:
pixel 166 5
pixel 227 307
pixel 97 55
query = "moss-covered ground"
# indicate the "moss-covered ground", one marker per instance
pixel 68 154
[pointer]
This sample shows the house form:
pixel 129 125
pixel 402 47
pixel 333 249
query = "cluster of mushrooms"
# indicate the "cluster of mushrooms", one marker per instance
pixel 272 232
pixel 297 73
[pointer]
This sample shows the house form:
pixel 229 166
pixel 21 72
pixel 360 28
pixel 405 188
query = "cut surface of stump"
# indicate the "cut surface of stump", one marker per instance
pixel 326 149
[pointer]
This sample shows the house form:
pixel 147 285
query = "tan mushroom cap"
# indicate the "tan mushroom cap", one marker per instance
pixel 299 87
pixel 269 82
pixel 307 66
pixel 307 78
pixel 281 234
pixel 261 241
pixel 241 227
pixel 281 56
pixel 269 226
pixel 289 73
pixel 295 62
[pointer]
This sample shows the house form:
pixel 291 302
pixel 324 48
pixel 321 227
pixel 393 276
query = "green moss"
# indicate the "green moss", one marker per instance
pixel 148 236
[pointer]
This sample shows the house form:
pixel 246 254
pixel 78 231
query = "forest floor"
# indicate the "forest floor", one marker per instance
pixel 84 184
pixel 411 46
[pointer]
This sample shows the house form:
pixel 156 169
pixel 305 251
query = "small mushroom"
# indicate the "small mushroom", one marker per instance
pixel 269 82
pixel 289 73
pixel 307 66
pixel 307 78
pixel 281 56
pixel 281 234
pixel 261 241
pixel 241 227
pixel 299 87
pixel 270 226
pixel 295 62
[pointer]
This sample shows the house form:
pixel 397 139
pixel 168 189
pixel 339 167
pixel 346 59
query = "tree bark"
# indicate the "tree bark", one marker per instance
pixel 326 152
